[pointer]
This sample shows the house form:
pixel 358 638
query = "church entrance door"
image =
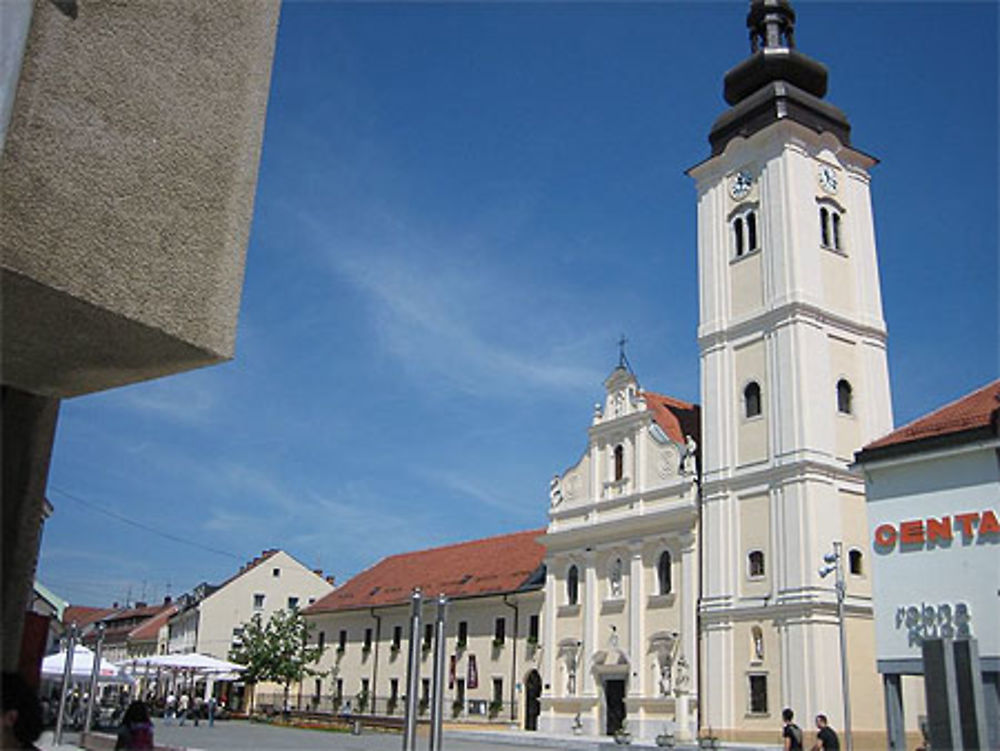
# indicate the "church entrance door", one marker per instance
pixel 614 704
pixel 532 705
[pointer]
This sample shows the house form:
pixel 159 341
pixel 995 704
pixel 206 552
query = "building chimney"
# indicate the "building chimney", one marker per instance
pixel 167 600
pixel 331 580
pixel 140 604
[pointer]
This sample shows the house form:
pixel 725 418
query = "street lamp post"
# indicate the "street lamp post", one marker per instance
pixel 834 564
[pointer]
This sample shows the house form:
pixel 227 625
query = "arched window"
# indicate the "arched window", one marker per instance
pixel 572 586
pixel 663 573
pixel 854 561
pixel 824 227
pixel 616 573
pixel 836 230
pixel 757 643
pixel 751 231
pixel 619 462
pixel 738 235
pixel 844 395
pixel 755 562
pixel 751 399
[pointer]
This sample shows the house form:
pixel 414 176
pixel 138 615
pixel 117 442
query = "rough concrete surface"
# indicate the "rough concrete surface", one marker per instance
pixel 127 185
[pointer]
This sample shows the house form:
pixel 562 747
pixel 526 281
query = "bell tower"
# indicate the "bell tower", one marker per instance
pixel 794 379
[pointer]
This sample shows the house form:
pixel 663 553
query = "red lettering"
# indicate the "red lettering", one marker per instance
pixel 964 521
pixel 989 525
pixel 912 532
pixel 939 529
pixel 885 535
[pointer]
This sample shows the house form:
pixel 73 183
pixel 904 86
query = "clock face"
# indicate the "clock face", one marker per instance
pixel 741 184
pixel 828 179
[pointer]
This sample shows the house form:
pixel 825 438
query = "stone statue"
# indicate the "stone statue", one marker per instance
pixel 615 578
pixel 682 677
pixel 666 678
pixel 688 466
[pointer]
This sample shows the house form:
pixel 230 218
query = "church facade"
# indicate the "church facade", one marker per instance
pixel 682 591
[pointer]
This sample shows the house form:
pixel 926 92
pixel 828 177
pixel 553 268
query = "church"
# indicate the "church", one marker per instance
pixel 677 587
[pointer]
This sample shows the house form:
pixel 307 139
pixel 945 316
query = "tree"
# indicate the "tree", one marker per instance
pixel 278 651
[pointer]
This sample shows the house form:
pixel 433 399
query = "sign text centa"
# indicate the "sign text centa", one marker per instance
pixel 973 525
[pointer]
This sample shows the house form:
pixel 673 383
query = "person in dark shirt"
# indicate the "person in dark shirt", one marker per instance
pixel 826 737
pixel 791 734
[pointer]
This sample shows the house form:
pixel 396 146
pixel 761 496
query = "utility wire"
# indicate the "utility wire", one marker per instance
pixel 140 525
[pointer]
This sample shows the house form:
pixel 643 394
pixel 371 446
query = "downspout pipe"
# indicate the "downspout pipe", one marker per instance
pixel 378 638
pixel 513 666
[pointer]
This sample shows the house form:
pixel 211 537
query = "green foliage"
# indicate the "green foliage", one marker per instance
pixel 278 651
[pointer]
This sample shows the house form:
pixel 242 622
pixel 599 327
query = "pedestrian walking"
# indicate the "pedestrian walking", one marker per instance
pixel 791 733
pixel 826 736
pixel 183 704
pixel 170 708
pixel 211 711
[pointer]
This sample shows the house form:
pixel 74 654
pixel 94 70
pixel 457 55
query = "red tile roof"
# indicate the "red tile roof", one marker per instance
pixel 977 412
pixel 677 419
pixel 480 567
pixel 83 615
pixel 149 630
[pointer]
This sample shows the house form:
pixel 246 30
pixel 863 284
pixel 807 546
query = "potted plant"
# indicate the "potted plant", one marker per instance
pixel 456 707
pixel 462 642
pixel 498 643
pixel 666 739
pixel 496 707
pixel 622 736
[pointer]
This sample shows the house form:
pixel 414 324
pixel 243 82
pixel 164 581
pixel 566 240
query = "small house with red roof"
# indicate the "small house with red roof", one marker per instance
pixel 494 589
pixel 933 499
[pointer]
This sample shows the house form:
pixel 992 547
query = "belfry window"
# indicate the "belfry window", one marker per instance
pixel 619 462
pixel 572 586
pixel 751 399
pixel 745 233
pixel 829 228
pixel 663 573
pixel 844 397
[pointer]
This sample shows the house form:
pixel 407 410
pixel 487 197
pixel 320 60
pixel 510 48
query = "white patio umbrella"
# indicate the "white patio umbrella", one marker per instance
pixel 193 661
pixel 83 662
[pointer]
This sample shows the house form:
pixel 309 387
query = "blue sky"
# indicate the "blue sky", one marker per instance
pixel 460 208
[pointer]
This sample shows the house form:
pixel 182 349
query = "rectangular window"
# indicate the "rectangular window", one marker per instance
pixel 318 689
pixel 425 690
pixel 463 633
pixel 428 635
pixel 397 637
pixel 276 572
pixel 499 631
pixel 758 694
pixel 293 603
pixel 368 639
pixel 393 689
pixel 533 629
pixel 342 640
pixel 258 602
pixel 340 690
pixel 321 639
pixel 498 690
pixel 364 686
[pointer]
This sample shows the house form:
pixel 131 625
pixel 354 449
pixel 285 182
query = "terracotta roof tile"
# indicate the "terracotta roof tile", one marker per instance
pixel 83 615
pixel 677 418
pixel 978 410
pixel 149 630
pixel 480 567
